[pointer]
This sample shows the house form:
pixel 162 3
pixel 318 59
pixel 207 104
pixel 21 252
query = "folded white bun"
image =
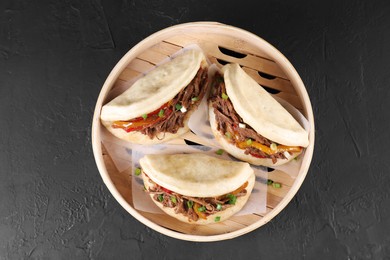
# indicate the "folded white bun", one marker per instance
pixel 198 175
pixel 240 153
pixel 150 92
pixel 195 175
pixel 155 88
pixel 262 112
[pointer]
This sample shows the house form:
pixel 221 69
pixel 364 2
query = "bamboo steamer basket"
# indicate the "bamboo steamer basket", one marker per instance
pixel 221 44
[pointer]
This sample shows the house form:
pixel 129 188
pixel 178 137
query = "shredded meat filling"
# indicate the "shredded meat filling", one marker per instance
pixel 189 98
pixel 185 205
pixel 228 122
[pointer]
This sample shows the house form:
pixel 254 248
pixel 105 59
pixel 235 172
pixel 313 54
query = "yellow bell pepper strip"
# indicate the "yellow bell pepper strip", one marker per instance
pixel 199 210
pixel 285 148
pixel 238 190
pixel 268 150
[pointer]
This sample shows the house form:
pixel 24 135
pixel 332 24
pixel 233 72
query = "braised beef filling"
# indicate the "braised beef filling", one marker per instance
pixel 194 207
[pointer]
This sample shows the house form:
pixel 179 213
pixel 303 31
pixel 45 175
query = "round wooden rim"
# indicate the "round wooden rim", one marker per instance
pixel 149 42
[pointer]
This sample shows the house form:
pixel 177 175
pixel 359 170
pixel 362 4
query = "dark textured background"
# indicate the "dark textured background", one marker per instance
pixel 54 58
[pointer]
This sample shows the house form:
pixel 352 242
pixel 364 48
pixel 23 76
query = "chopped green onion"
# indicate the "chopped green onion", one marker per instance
pixel 173 199
pixel 161 113
pixel 276 185
pixel 178 106
pixel 202 209
pixel 273 147
pixel 137 171
pixel 144 188
pixel 228 135
pixel 219 206
pixel 296 158
pixel 224 96
pixel 144 116
pixel 269 182
pixel 194 99
pixel 190 203
pixel 249 141
pixel 219 151
pixel 160 197
pixel 232 199
pixel 217 218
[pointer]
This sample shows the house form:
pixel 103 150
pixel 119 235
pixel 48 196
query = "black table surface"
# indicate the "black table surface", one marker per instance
pixel 54 59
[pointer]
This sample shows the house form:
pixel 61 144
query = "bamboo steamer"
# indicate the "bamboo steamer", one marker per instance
pixel 221 44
